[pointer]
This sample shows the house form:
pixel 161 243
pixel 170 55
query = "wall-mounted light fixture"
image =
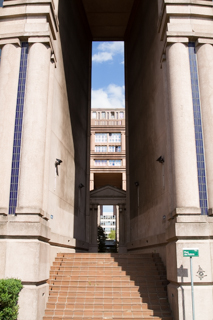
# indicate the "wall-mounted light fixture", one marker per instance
pixel 160 159
pixel 136 183
pixel 57 163
pixel 81 186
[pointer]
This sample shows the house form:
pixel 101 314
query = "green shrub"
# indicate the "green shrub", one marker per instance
pixel 9 291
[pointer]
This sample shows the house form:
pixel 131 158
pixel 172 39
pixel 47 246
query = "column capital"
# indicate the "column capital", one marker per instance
pixel 46 41
pixel 184 10
pixel 172 25
pixel 14 41
pixel 31 8
pixel 201 41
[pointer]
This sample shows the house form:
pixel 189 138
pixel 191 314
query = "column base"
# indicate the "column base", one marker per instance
pixel 32 301
pixel 180 301
pixel 190 232
pixel 122 249
pixel 93 248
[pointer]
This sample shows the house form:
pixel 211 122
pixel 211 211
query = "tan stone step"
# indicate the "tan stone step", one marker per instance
pixel 104 255
pixel 106 318
pixel 108 272
pixel 107 286
pixel 102 313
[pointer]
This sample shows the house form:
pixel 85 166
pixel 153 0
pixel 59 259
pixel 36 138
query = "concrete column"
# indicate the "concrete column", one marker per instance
pixel 182 129
pixel 205 72
pixel 123 141
pixel 91 181
pixel 122 243
pixel 93 247
pixel 56 3
pixel 34 129
pixel 99 215
pixel 124 180
pixel 93 142
pixel 48 139
pixel 10 63
pixel 117 223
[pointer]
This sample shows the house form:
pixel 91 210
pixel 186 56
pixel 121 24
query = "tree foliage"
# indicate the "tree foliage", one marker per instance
pixel 101 239
pixel 111 235
pixel 9 291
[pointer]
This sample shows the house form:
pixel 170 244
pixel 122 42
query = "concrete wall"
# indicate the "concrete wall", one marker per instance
pixel 147 130
pixel 51 211
pixel 70 123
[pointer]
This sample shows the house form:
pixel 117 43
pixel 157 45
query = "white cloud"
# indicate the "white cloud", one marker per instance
pixel 102 57
pixel 107 50
pixel 111 97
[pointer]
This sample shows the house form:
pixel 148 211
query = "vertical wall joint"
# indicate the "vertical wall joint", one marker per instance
pixel 18 129
pixel 198 130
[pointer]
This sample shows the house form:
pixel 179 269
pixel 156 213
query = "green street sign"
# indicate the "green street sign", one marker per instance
pixel 193 252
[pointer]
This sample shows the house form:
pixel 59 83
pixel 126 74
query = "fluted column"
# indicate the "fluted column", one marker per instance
pixel 34 129
pixel 205 72
pixel 9 75
pixel 182 129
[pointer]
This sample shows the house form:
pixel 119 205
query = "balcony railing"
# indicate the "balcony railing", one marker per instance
pixel 106 122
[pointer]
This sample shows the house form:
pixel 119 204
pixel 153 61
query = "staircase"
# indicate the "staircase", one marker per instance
pixel 107 286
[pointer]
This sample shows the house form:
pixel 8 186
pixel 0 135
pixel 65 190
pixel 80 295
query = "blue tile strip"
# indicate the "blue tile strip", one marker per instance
pixel 18 129
pixel 198 130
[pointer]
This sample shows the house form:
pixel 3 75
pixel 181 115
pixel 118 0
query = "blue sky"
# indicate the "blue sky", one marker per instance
pixel 108 74
pixel 107 209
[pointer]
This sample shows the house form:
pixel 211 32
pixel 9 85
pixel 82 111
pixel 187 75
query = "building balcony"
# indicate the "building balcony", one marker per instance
pixel 107 122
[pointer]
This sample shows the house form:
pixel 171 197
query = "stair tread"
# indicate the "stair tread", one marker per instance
pixel 107 286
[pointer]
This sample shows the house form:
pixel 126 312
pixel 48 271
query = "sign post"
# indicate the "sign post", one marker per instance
pixel 193 252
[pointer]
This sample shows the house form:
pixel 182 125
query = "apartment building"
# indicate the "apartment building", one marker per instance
pixel 107 219
pixel 108 148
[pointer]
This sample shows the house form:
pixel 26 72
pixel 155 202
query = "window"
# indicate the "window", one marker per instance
pixel 114 137
pixel 114 148
pixel 94 115
pixel 100 148
pixel 112 115
pixel 116 163
pixel 121 115
pixel 101 137
pixel 101 163
pixel 103 115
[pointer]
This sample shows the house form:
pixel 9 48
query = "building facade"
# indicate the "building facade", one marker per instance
pixel 107 221
pixel 45 116
pixel 108 148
